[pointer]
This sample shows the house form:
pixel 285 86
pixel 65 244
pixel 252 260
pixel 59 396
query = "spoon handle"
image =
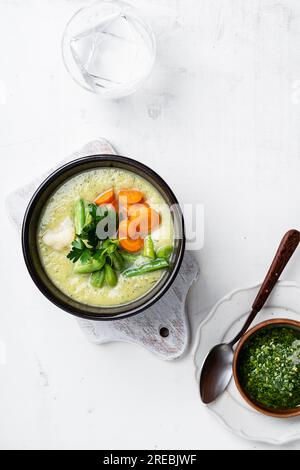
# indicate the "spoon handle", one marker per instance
pixel 285 250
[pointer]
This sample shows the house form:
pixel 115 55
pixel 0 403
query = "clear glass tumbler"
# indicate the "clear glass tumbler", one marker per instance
pixel 108 49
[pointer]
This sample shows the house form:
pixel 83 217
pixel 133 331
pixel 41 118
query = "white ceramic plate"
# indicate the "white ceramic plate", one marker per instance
pixel 223 322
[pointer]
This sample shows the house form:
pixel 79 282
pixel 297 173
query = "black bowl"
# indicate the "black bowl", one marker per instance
pixel 31 253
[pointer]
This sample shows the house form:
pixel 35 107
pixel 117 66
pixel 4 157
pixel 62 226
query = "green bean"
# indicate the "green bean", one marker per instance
pixel 164 252
pixel 97 279
pixel 128 257
pixel 88 218
pixel 105 244
pixel 149 248
pixel 90 265
pixel 109 245
pixel 117 260
pixel 154 265
pixel 79 216
pixel 110 275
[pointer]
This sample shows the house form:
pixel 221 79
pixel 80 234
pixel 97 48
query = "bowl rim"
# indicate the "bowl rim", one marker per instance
pixel 136 165
pixel 278 413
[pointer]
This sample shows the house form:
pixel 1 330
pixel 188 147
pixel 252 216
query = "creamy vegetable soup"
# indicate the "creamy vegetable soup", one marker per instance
pixel 105 237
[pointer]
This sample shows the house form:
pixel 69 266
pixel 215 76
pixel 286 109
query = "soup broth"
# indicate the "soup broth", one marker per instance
pixel 56 231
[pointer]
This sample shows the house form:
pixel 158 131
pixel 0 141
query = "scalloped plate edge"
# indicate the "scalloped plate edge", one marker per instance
pixel 238 431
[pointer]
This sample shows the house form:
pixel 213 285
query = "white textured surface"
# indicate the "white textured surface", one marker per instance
pixel 17 200
pixel 231 409
pixel 219 119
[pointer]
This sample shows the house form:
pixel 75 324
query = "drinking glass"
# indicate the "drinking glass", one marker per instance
pixel 108 49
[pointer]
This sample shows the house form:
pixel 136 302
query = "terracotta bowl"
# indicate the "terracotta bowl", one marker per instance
pixel 278 413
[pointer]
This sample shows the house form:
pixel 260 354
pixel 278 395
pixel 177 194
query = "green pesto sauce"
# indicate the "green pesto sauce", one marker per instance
pixel 269 367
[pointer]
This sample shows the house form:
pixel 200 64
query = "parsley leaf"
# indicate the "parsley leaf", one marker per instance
pixel 107 225
pixel 95 215
pixel 89 230
pixel 78 249
pixel 86 256
pixel 86 245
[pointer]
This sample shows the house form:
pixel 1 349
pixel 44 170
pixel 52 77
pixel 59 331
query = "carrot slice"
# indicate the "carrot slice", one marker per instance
pixel 105 197
pixel 148 220
pixel 130 196
pixel 123 229
pixel 129 237
pixel 123 209
pixel 135 210
pixel 115 205
pixel 129 228
pixel 111 205
pixel 132 245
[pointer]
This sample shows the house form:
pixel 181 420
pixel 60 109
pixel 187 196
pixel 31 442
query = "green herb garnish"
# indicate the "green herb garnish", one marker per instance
pixel 78 249
pixel 269 367
pixel 96 250
pixel 88 232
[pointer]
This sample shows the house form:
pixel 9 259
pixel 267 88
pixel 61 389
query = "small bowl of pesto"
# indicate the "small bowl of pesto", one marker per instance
pixel 266 368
